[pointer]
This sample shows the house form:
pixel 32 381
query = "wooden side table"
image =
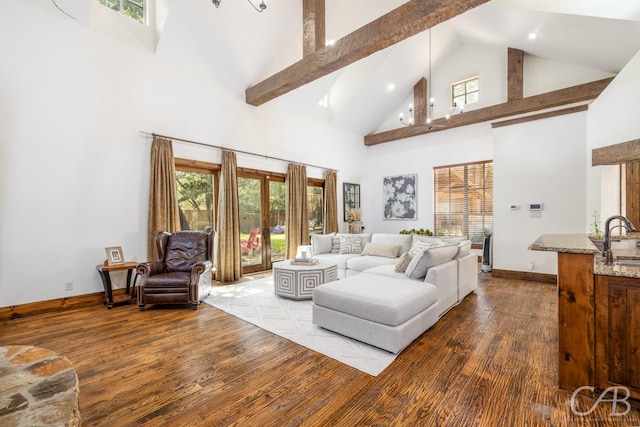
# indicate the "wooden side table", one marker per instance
pixel 104 271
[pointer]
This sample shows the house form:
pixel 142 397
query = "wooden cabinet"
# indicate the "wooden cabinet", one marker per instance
pixel 617 333
pixel 575 321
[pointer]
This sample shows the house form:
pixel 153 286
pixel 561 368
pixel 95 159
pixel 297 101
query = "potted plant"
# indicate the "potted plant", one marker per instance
pixel 596 234
pixel 354 217
pixel 422 231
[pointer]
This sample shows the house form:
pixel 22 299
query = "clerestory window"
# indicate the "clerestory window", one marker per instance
pixel 132 8
pixel 465 92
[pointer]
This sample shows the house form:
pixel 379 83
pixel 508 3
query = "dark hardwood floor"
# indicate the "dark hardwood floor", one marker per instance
pixel 491 361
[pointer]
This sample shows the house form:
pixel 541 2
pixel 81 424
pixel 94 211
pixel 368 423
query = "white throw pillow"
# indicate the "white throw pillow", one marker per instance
pixel 415 238
pixel 350 244
pixel 420 246
pixel 456 239
pixel 435 255
pixel 335 243
pixel 378 249
pixel 321 243
pixel 463 248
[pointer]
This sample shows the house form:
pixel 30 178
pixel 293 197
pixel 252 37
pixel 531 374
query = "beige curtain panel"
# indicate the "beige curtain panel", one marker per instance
pixel 296 218
pixel 163 201
pixel 229 266
pixel 331 202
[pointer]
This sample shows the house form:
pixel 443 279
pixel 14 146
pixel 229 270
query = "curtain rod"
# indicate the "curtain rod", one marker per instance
pixel 235 151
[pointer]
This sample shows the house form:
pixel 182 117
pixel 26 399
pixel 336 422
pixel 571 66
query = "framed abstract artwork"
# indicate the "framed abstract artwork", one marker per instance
pixel 400 197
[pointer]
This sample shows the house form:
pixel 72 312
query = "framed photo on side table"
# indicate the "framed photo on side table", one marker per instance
pixel 114 255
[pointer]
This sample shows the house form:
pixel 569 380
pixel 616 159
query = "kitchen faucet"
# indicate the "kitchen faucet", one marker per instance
pixel 606 251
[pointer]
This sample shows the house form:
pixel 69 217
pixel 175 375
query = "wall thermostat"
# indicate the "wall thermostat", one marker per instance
pixel 535 206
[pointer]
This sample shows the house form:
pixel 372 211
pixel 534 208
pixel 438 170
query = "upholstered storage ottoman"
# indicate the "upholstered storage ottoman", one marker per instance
pixel 385 312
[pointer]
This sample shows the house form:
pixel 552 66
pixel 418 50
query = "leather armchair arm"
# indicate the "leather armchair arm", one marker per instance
pixel 199 268
pixel 147 269
pixel 200 277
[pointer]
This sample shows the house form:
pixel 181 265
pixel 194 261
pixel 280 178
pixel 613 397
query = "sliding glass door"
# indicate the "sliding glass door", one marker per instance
pixel 261 197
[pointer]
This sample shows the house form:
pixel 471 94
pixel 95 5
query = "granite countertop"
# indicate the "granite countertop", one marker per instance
pixel 617 270
pixel 581 244
pixel 627 235
pixel 566 243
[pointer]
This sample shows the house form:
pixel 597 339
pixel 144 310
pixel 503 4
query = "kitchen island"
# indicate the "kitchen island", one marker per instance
pixel 576 307
pixel 598 315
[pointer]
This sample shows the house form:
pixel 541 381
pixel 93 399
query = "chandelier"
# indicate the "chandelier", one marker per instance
pixel 260 8
pixel 411 120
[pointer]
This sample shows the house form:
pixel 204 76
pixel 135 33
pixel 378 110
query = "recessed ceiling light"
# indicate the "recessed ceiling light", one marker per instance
pixel 532 36
pixel 390 87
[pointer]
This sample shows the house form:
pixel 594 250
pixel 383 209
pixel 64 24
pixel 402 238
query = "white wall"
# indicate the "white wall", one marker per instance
pixel 73 165
pixel 612 119
pixel 533 162
pixel 419 155
pixel 537 162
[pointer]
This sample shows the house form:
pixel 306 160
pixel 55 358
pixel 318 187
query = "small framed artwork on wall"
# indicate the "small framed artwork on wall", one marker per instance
pixel 400 197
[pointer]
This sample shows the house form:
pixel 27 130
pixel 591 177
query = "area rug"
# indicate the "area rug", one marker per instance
pixel 256 303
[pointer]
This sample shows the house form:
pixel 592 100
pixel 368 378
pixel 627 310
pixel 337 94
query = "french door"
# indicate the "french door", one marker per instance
pixel 262 214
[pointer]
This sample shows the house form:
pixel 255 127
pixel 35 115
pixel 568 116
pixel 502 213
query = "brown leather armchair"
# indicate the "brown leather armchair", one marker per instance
pixel 182 273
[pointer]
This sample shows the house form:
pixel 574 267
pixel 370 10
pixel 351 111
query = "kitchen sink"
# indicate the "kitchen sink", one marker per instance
pixel 627 262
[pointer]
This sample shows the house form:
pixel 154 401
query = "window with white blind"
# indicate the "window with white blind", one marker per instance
pixel 463 204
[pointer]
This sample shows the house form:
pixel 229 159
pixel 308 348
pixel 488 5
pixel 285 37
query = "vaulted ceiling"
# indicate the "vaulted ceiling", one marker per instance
pixel 239 47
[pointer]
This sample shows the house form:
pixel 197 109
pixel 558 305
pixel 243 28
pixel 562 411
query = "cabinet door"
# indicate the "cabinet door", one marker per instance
pixel 633 309
pixel 617 338
pixel 618 335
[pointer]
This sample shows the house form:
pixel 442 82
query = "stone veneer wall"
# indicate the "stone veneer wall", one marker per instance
pixel 39 388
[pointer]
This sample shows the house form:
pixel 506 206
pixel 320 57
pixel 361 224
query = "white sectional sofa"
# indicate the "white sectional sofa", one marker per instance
pixel 352 261
pixel 393 287
pixel 455 277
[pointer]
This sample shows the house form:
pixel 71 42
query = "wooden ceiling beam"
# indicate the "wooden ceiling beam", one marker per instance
pixel 570 95
pixel 515 74
pixel 420 101
pixel 411 18
pixel 616 154
pixel 313 26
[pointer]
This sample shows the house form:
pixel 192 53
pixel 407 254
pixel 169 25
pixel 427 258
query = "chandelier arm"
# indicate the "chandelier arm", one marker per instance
pixel 260 8
pixel 411 121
